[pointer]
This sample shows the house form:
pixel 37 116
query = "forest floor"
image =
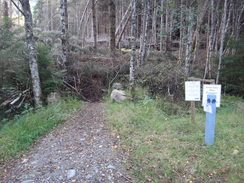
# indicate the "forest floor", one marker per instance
pixel 81 150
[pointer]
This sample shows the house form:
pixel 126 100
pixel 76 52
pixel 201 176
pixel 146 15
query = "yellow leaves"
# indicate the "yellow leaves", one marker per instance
pixel 235 152
pixel 115 147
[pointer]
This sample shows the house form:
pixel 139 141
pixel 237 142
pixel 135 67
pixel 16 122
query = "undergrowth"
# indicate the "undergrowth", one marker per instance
pixel 18 135
pixel 171 148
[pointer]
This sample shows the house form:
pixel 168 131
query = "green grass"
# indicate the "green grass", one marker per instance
pixel 171 148
pixel 18 135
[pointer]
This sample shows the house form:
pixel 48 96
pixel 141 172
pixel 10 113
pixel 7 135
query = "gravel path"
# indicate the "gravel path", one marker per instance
pixel 81 150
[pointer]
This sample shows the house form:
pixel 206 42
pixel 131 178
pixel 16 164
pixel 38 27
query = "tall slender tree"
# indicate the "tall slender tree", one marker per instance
pixel 64 31
pixel 133 53
pixel 94 27
pixel 30 41
pixel 112 25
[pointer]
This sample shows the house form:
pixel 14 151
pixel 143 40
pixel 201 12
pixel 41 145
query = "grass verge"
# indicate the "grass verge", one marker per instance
pixel 18 135
pixel 171 148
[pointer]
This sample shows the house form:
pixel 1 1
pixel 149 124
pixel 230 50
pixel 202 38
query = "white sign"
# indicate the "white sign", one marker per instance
pixel 208 108
pixel 192 91
pixel 211 89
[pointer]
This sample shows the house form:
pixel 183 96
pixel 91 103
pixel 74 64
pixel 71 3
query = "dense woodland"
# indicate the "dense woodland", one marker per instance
pixel 80 47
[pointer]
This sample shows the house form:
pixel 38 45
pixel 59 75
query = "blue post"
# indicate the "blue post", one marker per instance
pixel 210 120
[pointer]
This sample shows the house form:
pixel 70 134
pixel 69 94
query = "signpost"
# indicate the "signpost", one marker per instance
pixel 192 93
pixel 210 100
pixel 211 89
pixel 210 119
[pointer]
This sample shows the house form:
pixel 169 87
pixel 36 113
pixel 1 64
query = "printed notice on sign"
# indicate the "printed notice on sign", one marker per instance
pixel 211 89
pixel 192 91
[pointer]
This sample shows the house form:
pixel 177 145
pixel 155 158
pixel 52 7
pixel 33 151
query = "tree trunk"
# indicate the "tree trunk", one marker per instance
pixel 201 12
pixel 189 43
pixel 64 31
pixel 31 51
pixel 10 10
pixel 143 23
pixel 94 24
pixel 224 26
pixel 181 43
pixel 133 52
pixel 144 47
pixel 208 66
pixel 0 11
pixel 5 9
pixel 112 26
pixel 82 18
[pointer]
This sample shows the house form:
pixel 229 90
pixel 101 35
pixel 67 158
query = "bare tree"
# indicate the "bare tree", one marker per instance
pixel 26 11
pixel 224 26
pixel 189 42
pixel 64 31
pixel 112 25
pixel 144 39
pixel 133 53
pixel 94 24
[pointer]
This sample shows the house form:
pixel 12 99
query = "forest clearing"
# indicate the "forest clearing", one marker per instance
pixel 61 61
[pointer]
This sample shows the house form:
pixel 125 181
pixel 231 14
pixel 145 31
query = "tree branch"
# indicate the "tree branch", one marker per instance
pixel 18 8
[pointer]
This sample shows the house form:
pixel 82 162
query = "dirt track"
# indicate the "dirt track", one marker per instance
pixel 80 150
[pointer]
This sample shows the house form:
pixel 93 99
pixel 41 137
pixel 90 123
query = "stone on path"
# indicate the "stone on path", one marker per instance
pixel 111 167
pixel 71 173
pixel 28 181
pixel 89 176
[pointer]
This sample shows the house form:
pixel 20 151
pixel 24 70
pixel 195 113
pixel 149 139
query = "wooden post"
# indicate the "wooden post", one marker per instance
pixel 192 111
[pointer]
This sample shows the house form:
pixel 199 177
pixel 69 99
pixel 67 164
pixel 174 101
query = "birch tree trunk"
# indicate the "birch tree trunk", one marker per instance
pixel 10 10
pixel 5 9
pixel 133 52
pixel 144 47
pixel 0 11
pixel 143 23
pixel 94 24
pixel 201 12
pixel 64 31
pixel 26 11
pixel 181 32
pixel 208 65
pixel 162 23
pixel 189 43
pixel 112 25
pixel 224 26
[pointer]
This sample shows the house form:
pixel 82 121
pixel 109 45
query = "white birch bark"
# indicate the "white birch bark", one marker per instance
pixel 224 26
pixel 64 31
pixel 162 24
pixel 94 24
pixel 201 12
pixel 208 66
pixel 145 41
pixel 133 52
pixel 189 43
pixel 31 51
pixel 143 12
pixel 112 26
pixel 0 11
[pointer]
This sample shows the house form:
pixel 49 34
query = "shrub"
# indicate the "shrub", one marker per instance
pixel 232 73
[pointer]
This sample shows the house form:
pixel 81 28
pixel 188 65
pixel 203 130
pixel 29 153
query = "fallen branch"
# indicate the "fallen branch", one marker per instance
pixel 69 85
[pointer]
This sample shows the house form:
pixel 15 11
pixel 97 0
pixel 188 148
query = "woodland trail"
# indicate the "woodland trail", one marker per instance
pixel 80 150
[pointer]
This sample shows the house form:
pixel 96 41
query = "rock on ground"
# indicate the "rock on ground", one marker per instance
pixel 118 96
pixel 80 150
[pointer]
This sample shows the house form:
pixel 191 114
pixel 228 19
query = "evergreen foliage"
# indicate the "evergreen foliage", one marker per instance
pixel 14 68
pixel 50 80
pixel 232 72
